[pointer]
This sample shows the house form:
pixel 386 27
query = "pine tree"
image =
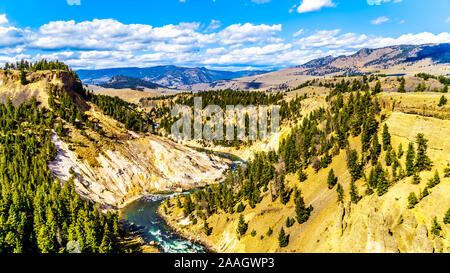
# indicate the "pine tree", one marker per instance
pixel 23 77
pixel 416 179
pixel 283 239
pixel 242 226
pixel 302 176
pixel 269 232
pixel 412 200
pixel 240 208
pixel 285 194
pixel 354 195
pixel 188 206
pixel 424 193
pixel 436 227
pixel 353 165
pixel 400 151
pixel 388 158
pixel 386 137
pixel 423 162
pixel 301 210
pixel 207 229
pixel 290 222
pixel 410 156
pixel 375 150
pixel 332 179
pixel 444 89
pixel 377 88
pixel 442 101
pixel 402 89
pixel 382 182
pixel 106 244
pixel 433 182
pixel 340 193
pixel 447 217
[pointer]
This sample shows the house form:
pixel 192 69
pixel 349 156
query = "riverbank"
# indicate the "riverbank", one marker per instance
pixel 182 233
pixel 133 240
pixel 142 216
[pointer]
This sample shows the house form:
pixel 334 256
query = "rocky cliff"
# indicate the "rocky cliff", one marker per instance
pixel 117 166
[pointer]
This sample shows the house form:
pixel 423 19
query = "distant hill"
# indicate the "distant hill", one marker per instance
pixel 382 58
pixel 121 82
pixel 168 75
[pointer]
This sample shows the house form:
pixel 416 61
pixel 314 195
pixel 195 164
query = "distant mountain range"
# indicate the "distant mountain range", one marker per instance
pixel 391 60
pixel 382 58
pixel 168 75
pixel 121 82
pixel 405 59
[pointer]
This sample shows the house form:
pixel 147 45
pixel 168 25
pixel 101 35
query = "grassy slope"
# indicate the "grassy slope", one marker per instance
pixel 366 226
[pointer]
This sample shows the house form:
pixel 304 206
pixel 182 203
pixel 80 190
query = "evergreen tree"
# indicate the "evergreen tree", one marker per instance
pixel 416 179
pixel 188 206
pixel 242 226
pixel 447 217
pixel 402 89
pixel 207 229
pixel 354 195
pixel 375 150
pixel 23 77
pixel 412 200
pixel 302 176
pixel 301 210
pixel 388 158
pixel 106 244
pixel 332 179
pixel 269 232
pixel 285 194
pixel 436 227
pixel 353 165
pixel 240 208
pixel 422 162
pixel 386 137
pixel 444 89
pixel 377 89
pixel 290 222
pixel 433 182
pixel 410 156
pixel 400 151
pixel 283 239
pixel 340 193
pixel 382 182
pixel 442 101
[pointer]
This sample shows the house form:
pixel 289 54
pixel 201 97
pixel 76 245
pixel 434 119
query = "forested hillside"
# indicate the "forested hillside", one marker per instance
pixel 37 212
pixel 339 175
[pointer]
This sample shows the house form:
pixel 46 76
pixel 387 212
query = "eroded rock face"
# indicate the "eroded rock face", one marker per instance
pixel 371 227
pixel 138 167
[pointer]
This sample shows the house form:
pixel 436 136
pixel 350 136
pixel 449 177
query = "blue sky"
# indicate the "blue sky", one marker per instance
pixel 224 34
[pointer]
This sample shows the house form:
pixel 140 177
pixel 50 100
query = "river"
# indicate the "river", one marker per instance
pixel 143 213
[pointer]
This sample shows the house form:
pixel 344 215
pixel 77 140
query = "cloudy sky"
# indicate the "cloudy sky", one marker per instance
pixel 220 34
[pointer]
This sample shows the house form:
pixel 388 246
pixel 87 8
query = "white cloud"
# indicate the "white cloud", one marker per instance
pixel 215 24
pixel 248 33
pixel 3 19
pixel 73 2
pixel 260 1
pixel 298 33
pixel 380 20
pixel 314 5
pixel 110 43
pixel 379 2
pixel 334 40
pixel 447 20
